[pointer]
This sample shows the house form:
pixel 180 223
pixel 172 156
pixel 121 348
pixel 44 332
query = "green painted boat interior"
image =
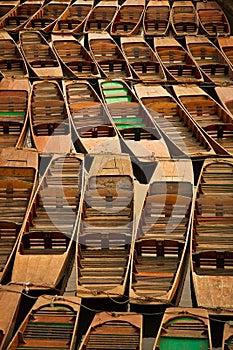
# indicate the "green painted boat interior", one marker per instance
pixel 183 343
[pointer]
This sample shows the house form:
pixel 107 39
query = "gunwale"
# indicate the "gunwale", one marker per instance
pixel 16 19
pixel 49 228
pixel 212 19
pixel 212 62
pixel 184 19
pixel 45 18
pixel 44 317
pixel 226 46
pixel 160 18
pixel 110 178
pixel 211 253
pixel 122 329
pixel 100 17
pixel 169 115
pixel 108 56
pixel 6 6
pixel 217 124
pixel 185 331
pixel 19 169
pixel 177 61
pixel 39 55
pixel 49 135
pixel 143 61
pixel 131 24
pixel 225 94
pixel 73 18
pixel 227 336
pixel 12 61
pixel 76 60
pixel 93 131
pixel 160 246
pixel 14 109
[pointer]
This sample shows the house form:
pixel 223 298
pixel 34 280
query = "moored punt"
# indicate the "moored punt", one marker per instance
pixel 10 297
pixel 40 57
pixel 46 241
pixel 178 63
pixel 139 135
pixel 226 45
pixel 108 55
pixel 12 62
pixel 159 252
pixel 184 19
pixel 212 19
pixel 211 243
pixel 17 19
pixel 45 18
pixel 52 323
pixel 156 18
pixel 114 330
pixel 213 64
pixel 18 179
pixel 173 120
pixel 73 18
pixel 14 94
pixel 76 60
pixel 184 327
pixel 225 95
pixel 100 17
pixel 6 6
pixel 49 121
pixel 92 129
pixel 142 60
pixel 106 228
pixel 128 18
pixel 209 115
pixel 227 341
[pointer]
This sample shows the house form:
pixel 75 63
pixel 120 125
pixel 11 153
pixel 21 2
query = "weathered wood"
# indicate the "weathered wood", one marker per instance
pixel 184 19
pixel 156 18
pixel 100 17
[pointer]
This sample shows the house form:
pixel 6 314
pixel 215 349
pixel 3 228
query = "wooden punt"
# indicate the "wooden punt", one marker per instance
pixel 18 178
pixel 213 64
pixel 160 248
pixel 156 18
pixel 108 56
pixel 6 6
pixel 106 228
pixel 76 60
pixel 41 59
pixel 49 120
pixel 178 63
pixel 46 244
pixel 209 115
pixel 227 341
pixel 10 297
pixel 143 61
pixel 173 120
pixel 226 46
pixel 211 248
pixel 139 135
pixel 184 327
pixel 73 18
pixel 114 330
pixel 92 129
pixel 12 62
pixel 16 19
pixel 14 95
pixel 212 19
pixel 128 18
pixel 52 323
pixel 184 19
pixel 45 18
pixel 225 95
pixel 100 17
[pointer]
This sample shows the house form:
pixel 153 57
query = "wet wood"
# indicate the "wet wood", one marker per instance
pixel 51 323
pixel 142 60
pixel 179 64
pixel 156 18
pixel 46 239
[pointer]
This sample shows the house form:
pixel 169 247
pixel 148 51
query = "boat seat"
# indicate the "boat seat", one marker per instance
pixel 99 131
pixel 209 261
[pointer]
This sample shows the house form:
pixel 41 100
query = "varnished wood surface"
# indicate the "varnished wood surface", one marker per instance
pixel 156 18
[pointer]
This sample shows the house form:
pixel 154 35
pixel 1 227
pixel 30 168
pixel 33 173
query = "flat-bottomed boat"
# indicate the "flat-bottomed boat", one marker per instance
pixel 156 18
pixel 184 19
